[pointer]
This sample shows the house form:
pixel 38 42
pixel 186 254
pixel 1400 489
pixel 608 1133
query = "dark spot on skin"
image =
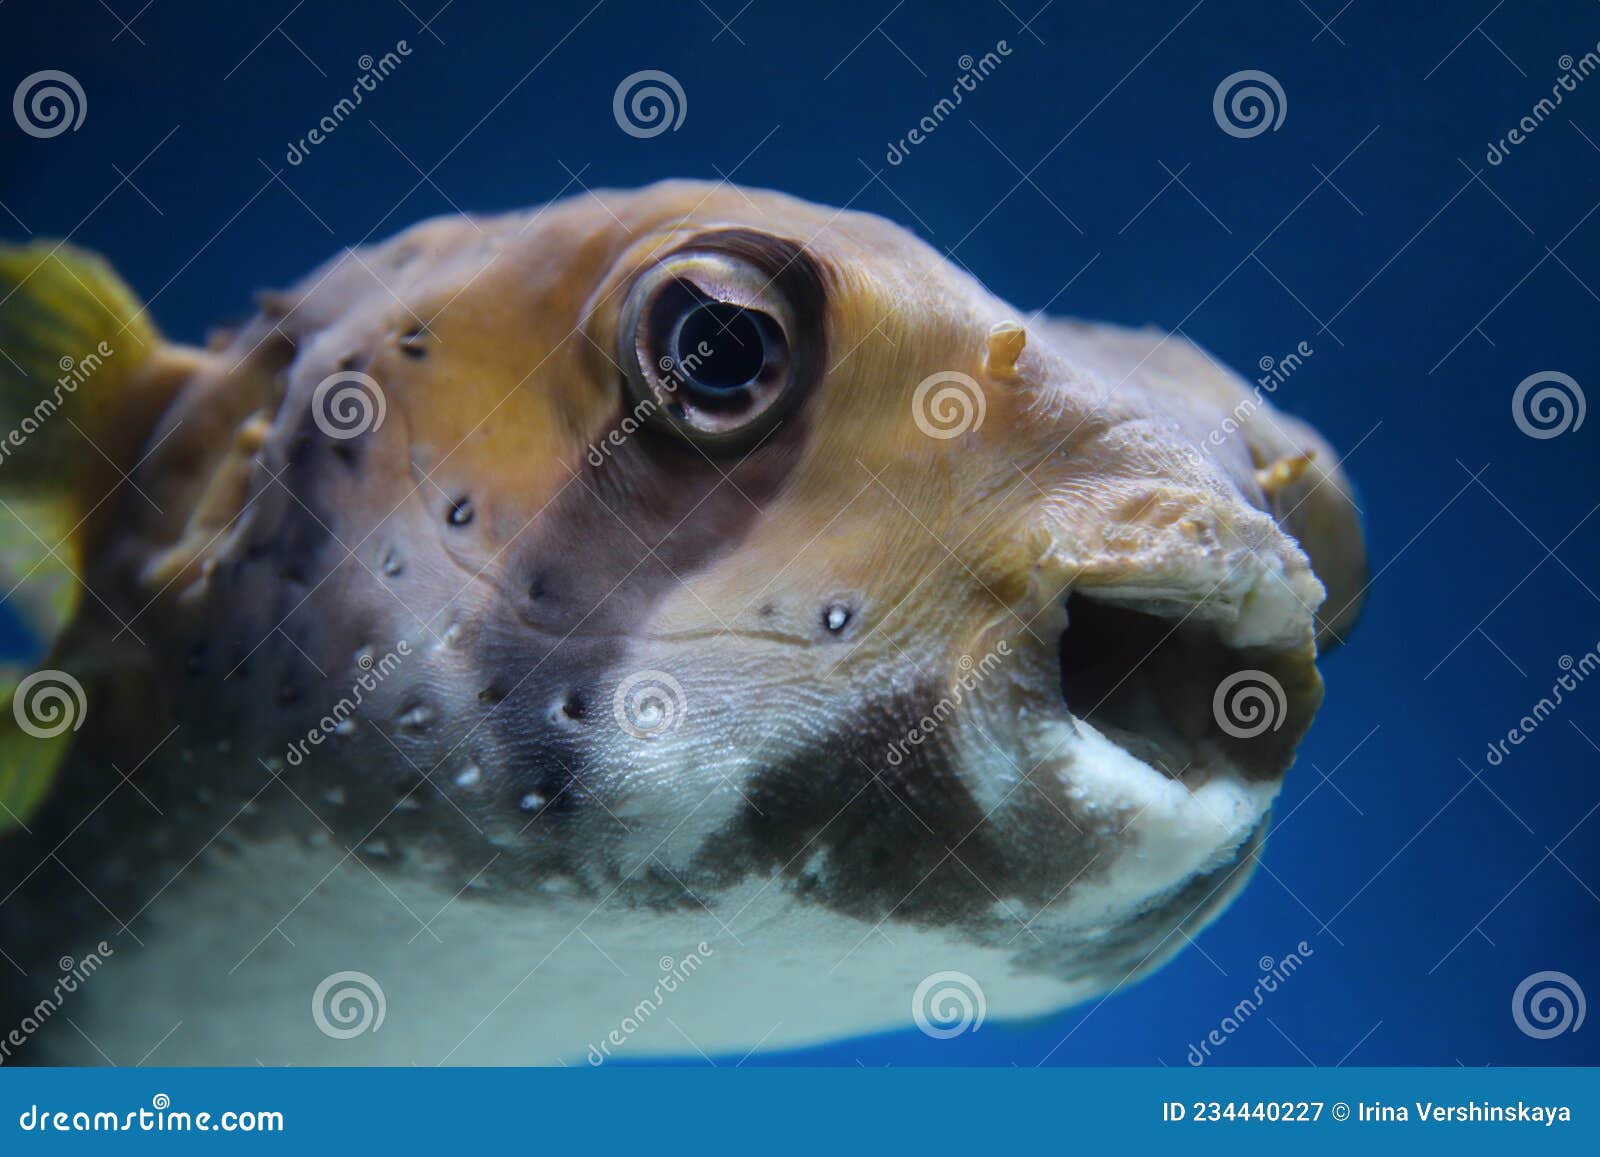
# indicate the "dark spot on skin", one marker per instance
pixel 461 512
pixel 492 694
pixel 572 707
pixel 415 718
pixel 768 611
pixel 539 585
pixel 346 453
pixel 888 851
pixel 413 343
pixel 300 448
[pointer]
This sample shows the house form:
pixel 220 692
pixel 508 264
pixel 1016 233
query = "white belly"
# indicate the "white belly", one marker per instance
pixel 234 955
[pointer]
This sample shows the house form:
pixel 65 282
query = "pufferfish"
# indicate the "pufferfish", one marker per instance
pixel 669 621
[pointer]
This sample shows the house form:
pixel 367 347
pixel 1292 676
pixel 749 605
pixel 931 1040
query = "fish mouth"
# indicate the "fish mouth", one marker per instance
pixel 1179 687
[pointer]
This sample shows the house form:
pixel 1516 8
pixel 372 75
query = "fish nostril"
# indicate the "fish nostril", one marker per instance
pixel 836 617
pixel 461 512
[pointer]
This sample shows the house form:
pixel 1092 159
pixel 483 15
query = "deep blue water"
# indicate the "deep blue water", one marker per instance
pixel 1088 172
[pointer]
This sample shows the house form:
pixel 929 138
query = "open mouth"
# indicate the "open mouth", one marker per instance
pixel 1168 687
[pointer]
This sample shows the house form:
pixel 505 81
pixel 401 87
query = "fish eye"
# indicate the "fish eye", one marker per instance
pixel 709 340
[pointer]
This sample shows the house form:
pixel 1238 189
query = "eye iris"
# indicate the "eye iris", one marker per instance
pixel 721 347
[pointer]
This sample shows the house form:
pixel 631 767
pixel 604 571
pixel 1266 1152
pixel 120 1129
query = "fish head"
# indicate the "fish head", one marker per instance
pixel 703 549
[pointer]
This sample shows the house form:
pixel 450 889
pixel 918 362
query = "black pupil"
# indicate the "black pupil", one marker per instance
pixel 721 347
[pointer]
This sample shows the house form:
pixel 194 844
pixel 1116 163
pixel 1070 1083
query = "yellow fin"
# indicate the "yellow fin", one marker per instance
pixel 28 756
pixel 76 401
pixel 72 338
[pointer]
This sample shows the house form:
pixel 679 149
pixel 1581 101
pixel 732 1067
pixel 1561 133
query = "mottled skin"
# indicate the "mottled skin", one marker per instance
pixel 268 557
